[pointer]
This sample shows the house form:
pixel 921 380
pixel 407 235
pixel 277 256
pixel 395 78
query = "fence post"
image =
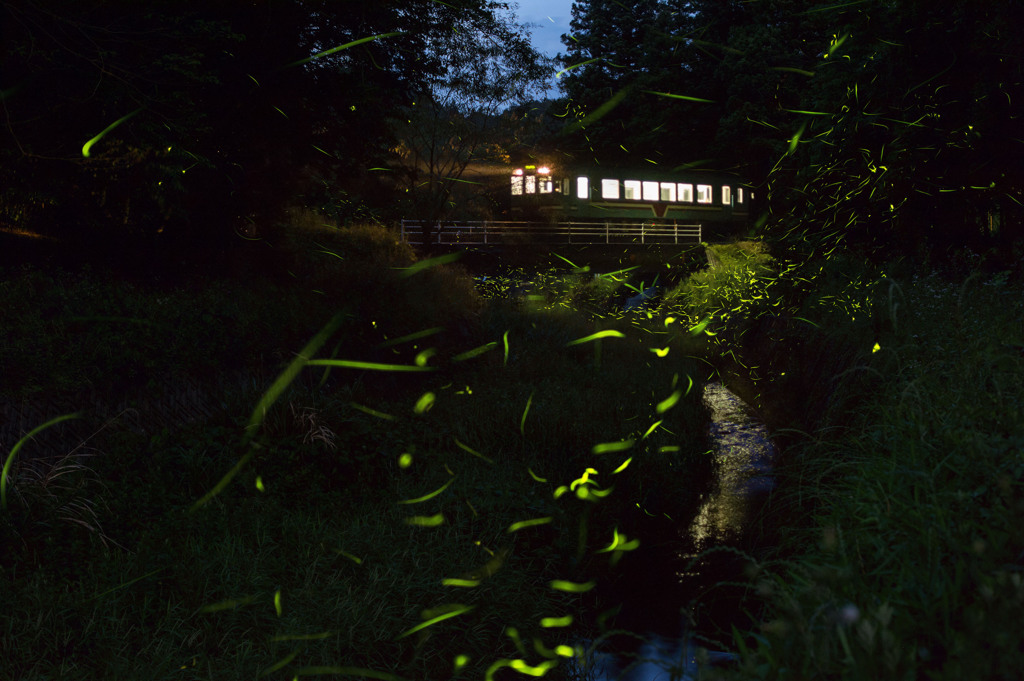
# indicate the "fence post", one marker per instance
pixel 485 232
pixel 675 232
pixel 606 231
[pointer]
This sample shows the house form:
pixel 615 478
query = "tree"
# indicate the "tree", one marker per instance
pixel 460 117
pixel 203 115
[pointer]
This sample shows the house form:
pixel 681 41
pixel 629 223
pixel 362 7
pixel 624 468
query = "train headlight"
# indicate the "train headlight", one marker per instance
pixel 543 170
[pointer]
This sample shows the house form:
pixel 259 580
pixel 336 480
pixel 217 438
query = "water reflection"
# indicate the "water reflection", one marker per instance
pixel 743 461
pixel 657 659
pixel 743 458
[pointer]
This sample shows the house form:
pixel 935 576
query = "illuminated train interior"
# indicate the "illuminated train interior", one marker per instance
pixel 538 192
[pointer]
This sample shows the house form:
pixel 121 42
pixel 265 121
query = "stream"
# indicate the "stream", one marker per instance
pixel 668 647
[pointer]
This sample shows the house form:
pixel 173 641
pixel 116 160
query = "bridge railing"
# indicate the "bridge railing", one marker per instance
pixel 499 232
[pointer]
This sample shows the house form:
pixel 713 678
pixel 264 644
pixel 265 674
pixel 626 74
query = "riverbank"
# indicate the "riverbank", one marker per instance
pixel 897 553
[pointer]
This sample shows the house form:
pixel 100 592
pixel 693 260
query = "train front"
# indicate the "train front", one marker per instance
pixel 537 195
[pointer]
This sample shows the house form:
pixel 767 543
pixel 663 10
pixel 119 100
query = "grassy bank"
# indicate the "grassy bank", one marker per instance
pixel 898 551
pixel 442 495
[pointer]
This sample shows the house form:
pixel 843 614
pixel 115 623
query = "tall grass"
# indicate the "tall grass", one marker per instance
pixel 898 553
pixel 445 520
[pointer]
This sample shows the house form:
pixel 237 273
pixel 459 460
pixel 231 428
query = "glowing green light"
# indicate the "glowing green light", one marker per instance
pixel 86 148
pixel 597 336
pixel 405 460
pixel 534 475
pixel 18 445
pixel 355 559
pixel 277 602
pixel 259 484
pixel 466 448
pixel 429 496
pixel 572 587
pixel 522 421
pixel 425 403
pixel 606 447
pixel 550 622
pixel 426 521
pixel 522 524
pixel 669 402
pixel 654 426
pixel 470 354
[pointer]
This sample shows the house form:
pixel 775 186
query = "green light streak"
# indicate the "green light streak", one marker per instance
pixel 18 445
pixel 472 451
pixel 459 610
pixel 426 520
pixel 683 97
pixel 373 412
pixel 535 476
pixel 425 403
pixel 342 47
pixel 475 352
pixel 431 495
pixel 280 663
pixel 86 148
pixel 428 263
pixel 606 447
pixel 572 587
pixel 597 336
pixel 523 524
pixel 669 402
pixel 371 366
pixel 654 426
pixel 522 421
pixel 551 622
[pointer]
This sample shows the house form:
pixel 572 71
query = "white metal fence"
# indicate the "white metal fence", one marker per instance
pixel 495 233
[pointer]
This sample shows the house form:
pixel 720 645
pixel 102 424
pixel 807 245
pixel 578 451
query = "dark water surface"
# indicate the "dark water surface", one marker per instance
pixel 697 590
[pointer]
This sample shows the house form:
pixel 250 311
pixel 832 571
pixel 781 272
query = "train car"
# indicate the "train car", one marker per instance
pixel 715 199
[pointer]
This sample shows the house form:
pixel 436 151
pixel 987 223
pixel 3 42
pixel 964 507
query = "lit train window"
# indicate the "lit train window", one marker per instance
pixel 632 188
pixel 686 193
pixel 531 184
pixel 668 191
pixel 546 185
pixel 582 188
pixel 609 189
pixel 650 191
pixel 739 195
pixel 517 185
pixel 704 193
pixel 726 195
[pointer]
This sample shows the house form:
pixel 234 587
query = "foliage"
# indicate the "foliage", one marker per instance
pixel 380 520
pixel 885 125
pixel 458 118
pixel 183 122
pixel 904 564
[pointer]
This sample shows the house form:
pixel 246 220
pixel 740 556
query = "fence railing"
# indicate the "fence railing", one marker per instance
pixel 496 233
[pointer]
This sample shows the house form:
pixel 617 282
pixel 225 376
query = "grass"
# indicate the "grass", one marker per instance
pixel 901 556
pixel 427 524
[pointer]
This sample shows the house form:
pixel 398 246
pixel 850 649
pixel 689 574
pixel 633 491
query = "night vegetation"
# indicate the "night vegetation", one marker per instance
pixel 245 432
